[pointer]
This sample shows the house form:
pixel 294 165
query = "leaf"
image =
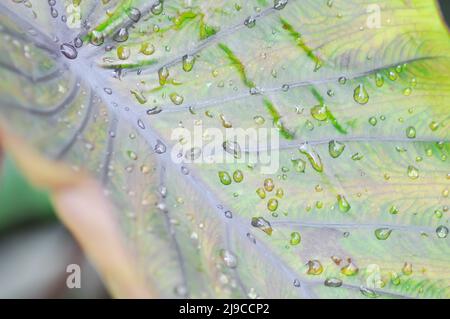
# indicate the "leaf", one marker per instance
pixel 357 91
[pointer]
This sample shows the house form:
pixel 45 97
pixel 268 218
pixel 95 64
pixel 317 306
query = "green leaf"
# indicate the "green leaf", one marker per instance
pixel 357 90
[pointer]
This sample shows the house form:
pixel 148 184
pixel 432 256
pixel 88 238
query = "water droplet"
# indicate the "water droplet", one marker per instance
pixel 411 132
pixel 407 269
pixel 368 292
pixel 373 121
pixel 312 156
pixel 228 258
pixel 383 233
pixel 121 35
pixel 157 8
pixel 393 210
pixel 442 231
pixel 413 172
pixel 335 148
pixel 319 112
pixel 395 278
pixel 238 176
pixel 250 22
pixel 123 52
pixel 108 91
pixel 285 87
pixel 350 269
pixel 343 204
pixel 259 120
pixel 134 14
pixel 147 48
pixel 160 148
pixel 132 155
pixel 261 192
pixel 145 169
pixel 296 283
pixel 314 267
pixel 78 42
pixel 68 51
pixel 268 184
pixel 333 282
pixel 224 178
pixel 188 62
pixel 139 96
pixel 97 38
pixel 163 74
pixel 272 204
pixel 176 98
pixel 342 80
pixel 233 148
pixel 279 4
pixel 53 12
pixel 295 238
pixel 228 214
pixel 360 94
pixel 379 80
pixel 299 165
pixel 262 224
pixel 279 193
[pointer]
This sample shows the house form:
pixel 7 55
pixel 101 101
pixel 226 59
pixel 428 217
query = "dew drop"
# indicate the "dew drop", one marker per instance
pixel 78 42
pixel 442 231
pixel 134 14
pixel 163 74
pixel 299 165
pixel 413 172
pixel 269 184
pixel 68 51
pixel 262 224
pixel 157 8
pixel 295 238
pixel 123 52
pixel 360 95
pixel 335 148
pixel 147 48
pixel 411 132
pixel 121 35
pixel 160 148
pixel 379 80
pixel 228 258
pixel 272 204
pixel 261 193
pixel 333 282
pixel 279 4
pixel 383 233
pixel 314 267
pixel 250 22
pixel 97 38
pixel 108 91
pixel 224 178
pixel 312 156
pixel 176 98
pixel 368 292
pixel 319 112
pixel 132 155
pixel 343 204
pixel 238 176
pixel 407 269
pixel 188 62
pixel 350 269
pixel 296 283
pixel 233 148
pixel 373 121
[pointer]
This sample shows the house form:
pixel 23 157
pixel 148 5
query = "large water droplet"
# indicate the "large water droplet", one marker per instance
pixel 188 62
pixel 121 35
pixel 314 267
pixel 157 8
pixel 296 238
pixel 279 4
pixel 68 51
pixel 343 204
pixel 224 178
pixel 312 156
pixel 262 224
pixel 442 231
pixel 335 148
pixel 134 14
pixel 97 38
pixel 360 94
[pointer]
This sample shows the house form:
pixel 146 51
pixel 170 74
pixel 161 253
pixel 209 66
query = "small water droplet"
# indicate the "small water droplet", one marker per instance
pixel 228 258
pixel 121 35
pixel 319 112
pixel 108 91
pixel 157 8
pixel 279 4
pixel 238 176
pixel 163 74
pixel 442 231
pixel 97 38
pixel 134 14
pixel 132 155
pixel 160 147
pixel 411 132
pixel 250 22
pixel 407 269
pixel 343 204
pixel 312 156
pixel 272 204
pixel 261 192
pixel 269 184
pixel 176 98
pixel 413 172
pixel 333 282
pixel 350 269
pixel 233 148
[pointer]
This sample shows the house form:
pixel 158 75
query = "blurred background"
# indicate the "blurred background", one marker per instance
pixel 35 248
